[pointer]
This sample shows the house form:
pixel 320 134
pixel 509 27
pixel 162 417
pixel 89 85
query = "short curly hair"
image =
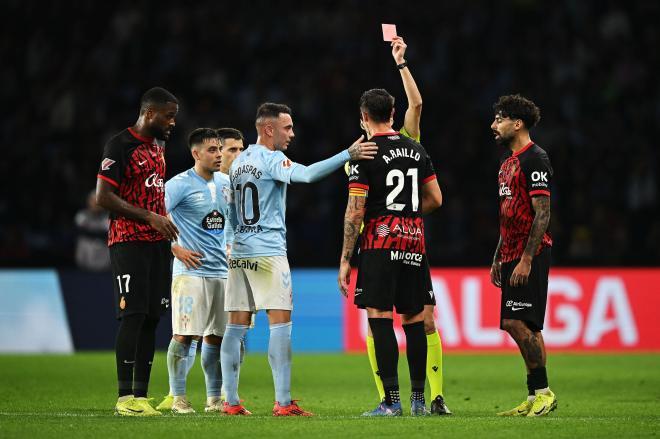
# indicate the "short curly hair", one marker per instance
pixel 518 107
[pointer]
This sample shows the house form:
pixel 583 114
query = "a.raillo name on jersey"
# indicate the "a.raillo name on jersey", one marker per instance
pixel 401 153
pixel 247 169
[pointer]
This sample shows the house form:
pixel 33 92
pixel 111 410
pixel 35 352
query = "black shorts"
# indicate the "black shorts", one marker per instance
pixel 526 303
pixel 142 277
pixel 390 279
pixel 429 298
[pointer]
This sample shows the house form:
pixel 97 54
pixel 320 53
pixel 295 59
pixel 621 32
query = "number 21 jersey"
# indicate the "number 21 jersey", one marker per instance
pixel 392 182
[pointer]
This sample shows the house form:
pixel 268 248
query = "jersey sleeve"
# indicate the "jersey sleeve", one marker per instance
pixel 404 132
pixel 358 179
pixel 173 193
pixel 538 173
pixel 113 163
pixel 280 166
pixel 428 171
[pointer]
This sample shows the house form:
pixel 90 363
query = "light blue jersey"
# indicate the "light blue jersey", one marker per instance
pixel 200 211
pixel 259 178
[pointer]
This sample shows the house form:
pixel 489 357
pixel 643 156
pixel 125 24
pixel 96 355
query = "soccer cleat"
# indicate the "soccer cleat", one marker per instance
pixel 385 410
pixel 543 404
pixel 181 406
pixel 438 406
pixel 521 410
pixel 148 410
pixel 129 407
pixel 166 403
pixel 213 405
pixel 238 409
pixel 418 408
pixel 290 410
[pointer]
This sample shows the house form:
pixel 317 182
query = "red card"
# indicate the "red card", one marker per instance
pixel 389 31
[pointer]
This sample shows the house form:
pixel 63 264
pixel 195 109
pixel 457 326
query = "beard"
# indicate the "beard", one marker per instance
pixel 504 141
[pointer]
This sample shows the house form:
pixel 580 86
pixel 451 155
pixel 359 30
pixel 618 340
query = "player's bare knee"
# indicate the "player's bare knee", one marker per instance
pixel 513 327
pixel 185 339
pixel 213 340
pixel 429 321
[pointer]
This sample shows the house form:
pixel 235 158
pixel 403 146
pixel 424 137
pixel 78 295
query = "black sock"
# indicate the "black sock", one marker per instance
pixel 538 378
pixel 530 388
pixel 416 347
pixel 125 346
pixel 144 357
pixel 387 357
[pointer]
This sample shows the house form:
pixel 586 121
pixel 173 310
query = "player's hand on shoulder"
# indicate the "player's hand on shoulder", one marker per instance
pixel 398 49
pixel 163 225
pixel 360 150
pixel 496 273
pixel 190 258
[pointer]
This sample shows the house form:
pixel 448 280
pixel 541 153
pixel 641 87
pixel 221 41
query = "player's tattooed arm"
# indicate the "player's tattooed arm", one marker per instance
pixel 360 150
pixel 541 207
pixel 353 217
pixel 496 266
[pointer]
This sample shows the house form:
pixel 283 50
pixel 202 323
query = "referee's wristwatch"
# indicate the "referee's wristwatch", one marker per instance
pixel 403 65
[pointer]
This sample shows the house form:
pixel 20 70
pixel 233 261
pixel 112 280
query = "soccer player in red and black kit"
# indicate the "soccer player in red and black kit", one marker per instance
pixel 522 258
pixel 390 193
pixel 131 186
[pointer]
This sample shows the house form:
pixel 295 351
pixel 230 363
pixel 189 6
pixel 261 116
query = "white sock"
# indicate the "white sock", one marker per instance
pixel 531 398
pixel 544 391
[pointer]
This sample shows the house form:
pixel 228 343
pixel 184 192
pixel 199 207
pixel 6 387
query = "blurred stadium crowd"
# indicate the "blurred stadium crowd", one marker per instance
pixel 73 72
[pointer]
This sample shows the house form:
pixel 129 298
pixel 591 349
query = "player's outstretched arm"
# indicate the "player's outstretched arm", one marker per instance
pixel 541 207
pixel 359 150
pixel 411 121
pixel 107 198
pixel 431 196
pixel 353 218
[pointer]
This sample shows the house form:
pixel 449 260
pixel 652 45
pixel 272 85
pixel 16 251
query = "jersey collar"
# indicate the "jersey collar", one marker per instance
pixel 389 133
pixel 523 149
pixel 139 137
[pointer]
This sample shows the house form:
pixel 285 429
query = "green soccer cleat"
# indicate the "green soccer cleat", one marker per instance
pixel 148 410
pixel 166 403
pixel 543 404
pixel 521 410
pixel 129 407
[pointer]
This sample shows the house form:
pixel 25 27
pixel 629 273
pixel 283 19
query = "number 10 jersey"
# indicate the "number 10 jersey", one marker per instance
pixel 259 178
pixel 393 182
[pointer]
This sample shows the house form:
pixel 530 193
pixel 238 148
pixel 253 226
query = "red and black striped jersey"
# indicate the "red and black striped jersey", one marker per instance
pixel 523 175
pixel 135 165
pixel 392 182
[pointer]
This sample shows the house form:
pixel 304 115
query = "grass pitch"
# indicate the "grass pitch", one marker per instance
pixel 599 396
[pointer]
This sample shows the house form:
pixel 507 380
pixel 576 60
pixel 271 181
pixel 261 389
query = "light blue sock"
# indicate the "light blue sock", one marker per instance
pixel 191 356
pixel 211 366
pixel 230 360
pixel 177 356
pixel 279 357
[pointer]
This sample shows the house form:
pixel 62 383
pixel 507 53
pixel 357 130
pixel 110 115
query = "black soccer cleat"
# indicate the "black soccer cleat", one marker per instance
pixel 438 407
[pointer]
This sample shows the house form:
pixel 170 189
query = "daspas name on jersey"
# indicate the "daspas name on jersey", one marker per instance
pixel 247 169
pixel 401 153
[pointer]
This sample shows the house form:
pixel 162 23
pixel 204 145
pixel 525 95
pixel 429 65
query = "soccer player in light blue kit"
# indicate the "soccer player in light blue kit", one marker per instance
pixel 259 275
pixel 195 200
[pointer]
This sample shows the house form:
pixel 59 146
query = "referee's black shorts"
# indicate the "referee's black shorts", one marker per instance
pixel 393 279
pixel 142 277
pixel 526 303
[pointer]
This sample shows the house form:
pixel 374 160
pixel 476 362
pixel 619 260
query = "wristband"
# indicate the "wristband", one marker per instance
pixel 402 65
